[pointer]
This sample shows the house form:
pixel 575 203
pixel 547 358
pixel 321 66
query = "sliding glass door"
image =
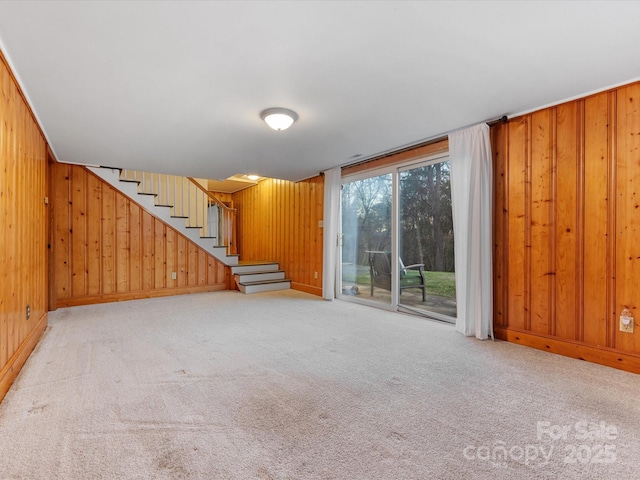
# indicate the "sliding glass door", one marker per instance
pixel 426 261
pixel 397 239
pixel 367 238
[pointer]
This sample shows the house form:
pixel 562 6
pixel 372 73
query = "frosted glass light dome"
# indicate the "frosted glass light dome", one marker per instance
pixel 279 118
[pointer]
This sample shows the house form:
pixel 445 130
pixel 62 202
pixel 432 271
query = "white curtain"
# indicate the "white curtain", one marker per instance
pixel 332 183
pixel 472 199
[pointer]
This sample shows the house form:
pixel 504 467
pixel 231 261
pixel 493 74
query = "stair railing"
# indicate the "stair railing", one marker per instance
pixel 190 200
pixel 224 217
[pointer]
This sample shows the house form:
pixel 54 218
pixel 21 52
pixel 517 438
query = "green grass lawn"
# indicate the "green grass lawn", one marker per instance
pixel 441 283
pixel 438 283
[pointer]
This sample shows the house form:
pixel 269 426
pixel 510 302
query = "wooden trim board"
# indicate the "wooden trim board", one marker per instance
pixel 10 371
pixel 601 355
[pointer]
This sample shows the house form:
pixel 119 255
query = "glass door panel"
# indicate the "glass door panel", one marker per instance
pixel 426 257
pixel 367 239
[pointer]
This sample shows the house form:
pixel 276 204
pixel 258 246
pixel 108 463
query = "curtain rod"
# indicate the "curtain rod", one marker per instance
pixel 502 119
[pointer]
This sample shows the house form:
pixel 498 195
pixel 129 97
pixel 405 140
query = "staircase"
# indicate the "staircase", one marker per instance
pixel 177 201
pixel 186 205
pixel 254 277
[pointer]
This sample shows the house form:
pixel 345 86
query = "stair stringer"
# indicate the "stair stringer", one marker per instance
pixel 163 212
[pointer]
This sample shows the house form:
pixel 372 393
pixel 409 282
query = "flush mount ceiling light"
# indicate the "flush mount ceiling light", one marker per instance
pixel 279 118
pixel 253 177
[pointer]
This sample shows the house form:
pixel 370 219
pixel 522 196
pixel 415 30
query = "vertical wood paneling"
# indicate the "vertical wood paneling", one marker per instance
pixel 612 246
pixel 171 253
pixel 13 253
pixel 122 244
pixel 305 214
pixel 23 229
pixel 135 247
pixel 318 240
pixel 108 248
pixel 62 243
pixel 202 267
pixel 596 220
pixel 294 220
pixel 580 219
pixel 4 222
pixel 500 146
pixel 541 175
pixel 160 250
pixel 627 211
pixel 78 205
pixel 212 276
pixel 108 241
pixel 566 194
pixel 571 200
pixel 182 270
pixel 192 266
pixel 278 221
pixel 94 236
pixel 148 248
pixel 518 244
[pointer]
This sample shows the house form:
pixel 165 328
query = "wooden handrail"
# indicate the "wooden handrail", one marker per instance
pixel 229 219
pixel 211 195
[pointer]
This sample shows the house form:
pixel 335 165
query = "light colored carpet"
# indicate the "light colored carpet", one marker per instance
pixel 285 385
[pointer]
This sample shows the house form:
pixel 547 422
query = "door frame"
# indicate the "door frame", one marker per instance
pixel 394 170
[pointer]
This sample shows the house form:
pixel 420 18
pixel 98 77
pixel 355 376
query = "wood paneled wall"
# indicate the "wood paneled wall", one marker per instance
pixel 278 221
pixel 107 248
pixel 23 229
pixel 567 226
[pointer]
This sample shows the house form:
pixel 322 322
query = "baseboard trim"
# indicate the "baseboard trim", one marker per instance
pixel 10 371
pixel 121 297
pixel 601 355
pixel 307 288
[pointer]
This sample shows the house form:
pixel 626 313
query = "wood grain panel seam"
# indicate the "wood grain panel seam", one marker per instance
pixel 127 227
pixel 101 236
pixel 553 219
pixel 51 228
pixel 612 223
pixel 505 213
pixel 85 273
pixel 580 219
pixel 69 197
pixel 527 223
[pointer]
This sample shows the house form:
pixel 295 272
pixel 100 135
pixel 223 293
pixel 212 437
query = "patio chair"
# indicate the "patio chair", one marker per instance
pixel 411 276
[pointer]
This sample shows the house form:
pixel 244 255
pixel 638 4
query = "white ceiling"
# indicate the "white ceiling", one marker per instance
pixel 177 87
